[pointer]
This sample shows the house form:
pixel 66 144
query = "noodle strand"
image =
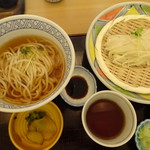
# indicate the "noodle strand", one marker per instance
pixel 29 71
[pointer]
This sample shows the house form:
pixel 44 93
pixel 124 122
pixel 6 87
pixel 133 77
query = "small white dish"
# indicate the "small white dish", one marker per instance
pixel 75 93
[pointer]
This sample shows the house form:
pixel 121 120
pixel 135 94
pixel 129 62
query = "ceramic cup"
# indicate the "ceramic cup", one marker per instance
pixel 102 108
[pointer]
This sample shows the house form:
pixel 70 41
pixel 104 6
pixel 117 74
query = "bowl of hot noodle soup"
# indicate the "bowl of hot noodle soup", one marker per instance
pixel 36 62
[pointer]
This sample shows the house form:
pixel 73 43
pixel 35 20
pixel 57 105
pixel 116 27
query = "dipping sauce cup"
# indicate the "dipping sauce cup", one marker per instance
pixel 109 118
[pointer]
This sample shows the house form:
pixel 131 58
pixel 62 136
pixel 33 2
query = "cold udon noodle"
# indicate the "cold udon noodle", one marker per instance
pixel 30 71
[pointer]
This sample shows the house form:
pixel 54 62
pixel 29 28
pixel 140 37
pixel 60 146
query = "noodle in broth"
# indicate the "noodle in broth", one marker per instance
pixel 29 70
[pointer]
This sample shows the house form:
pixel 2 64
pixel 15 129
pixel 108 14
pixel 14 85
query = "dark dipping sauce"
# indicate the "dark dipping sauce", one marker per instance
pixel 105 119
pixel 77 87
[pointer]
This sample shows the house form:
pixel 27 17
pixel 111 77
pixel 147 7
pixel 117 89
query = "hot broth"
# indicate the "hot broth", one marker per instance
pixel 105 119
pixel 31 68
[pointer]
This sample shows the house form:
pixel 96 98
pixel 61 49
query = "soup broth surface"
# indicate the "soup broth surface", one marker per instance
pixel 105 119
pixel 31 68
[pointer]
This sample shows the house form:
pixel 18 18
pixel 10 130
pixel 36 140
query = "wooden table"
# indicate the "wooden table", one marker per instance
pixel 74 16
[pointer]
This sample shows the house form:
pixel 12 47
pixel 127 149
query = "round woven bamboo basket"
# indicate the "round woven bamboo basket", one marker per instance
pixel 134 78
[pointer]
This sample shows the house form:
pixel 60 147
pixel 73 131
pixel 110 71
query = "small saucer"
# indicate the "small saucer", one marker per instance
pixel 80 87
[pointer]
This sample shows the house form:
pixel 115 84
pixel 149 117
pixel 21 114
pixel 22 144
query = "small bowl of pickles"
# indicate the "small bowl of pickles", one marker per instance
pixel 36 129
pixel 142 135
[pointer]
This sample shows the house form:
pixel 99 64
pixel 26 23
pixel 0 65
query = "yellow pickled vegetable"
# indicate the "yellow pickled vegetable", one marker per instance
pixel 45 126
pixel 35 137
